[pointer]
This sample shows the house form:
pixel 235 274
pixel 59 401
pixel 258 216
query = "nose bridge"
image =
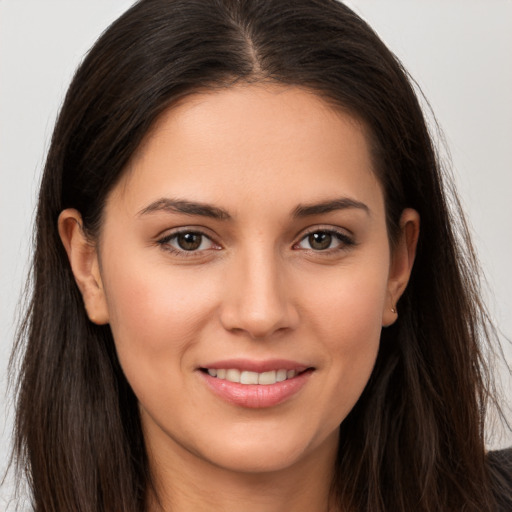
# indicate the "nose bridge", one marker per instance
pixel 258 301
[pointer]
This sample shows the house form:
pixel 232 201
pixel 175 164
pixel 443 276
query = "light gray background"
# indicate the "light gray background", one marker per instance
pixel 459 51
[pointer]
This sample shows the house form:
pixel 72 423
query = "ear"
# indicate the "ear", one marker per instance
pixel 83 258
pixel 402 259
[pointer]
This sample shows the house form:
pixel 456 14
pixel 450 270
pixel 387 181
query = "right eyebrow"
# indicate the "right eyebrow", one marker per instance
pixel 187 207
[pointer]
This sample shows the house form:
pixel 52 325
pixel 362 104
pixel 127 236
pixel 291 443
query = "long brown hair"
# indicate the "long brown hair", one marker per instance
pixel 415 439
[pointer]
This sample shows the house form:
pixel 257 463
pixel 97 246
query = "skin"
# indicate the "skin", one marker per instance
pixel 255 289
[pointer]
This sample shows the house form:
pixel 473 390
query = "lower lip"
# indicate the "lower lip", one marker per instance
pixel 256 396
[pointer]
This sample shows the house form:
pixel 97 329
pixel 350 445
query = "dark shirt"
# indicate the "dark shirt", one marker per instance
pixel 500 466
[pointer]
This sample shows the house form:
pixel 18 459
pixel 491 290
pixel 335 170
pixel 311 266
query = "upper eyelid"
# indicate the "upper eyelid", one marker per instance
pixel 164 242
pixel 323 228
pixel 346 240
pixel 170 233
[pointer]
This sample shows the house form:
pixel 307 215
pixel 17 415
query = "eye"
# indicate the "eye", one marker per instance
pixel 187 242
pixel 323 240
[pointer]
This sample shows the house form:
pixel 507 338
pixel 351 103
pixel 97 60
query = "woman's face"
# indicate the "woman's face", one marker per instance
pixel 247 241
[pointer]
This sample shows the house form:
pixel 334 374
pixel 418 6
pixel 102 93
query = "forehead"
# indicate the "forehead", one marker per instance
pixel 252 141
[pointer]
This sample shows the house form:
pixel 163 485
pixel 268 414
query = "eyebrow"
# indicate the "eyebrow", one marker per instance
pixel 342 203
pixel 213 212
pixel 186 207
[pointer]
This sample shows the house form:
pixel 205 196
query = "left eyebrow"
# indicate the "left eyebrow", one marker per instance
pixel 342 203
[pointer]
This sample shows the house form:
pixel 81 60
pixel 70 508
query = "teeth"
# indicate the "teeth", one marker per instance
pixel 267 378
pixel 280 375
pixel 246 377
pixel 233 375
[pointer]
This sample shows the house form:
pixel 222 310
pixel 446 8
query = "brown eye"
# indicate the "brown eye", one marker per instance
pixel 189 241
pixel 325 240
pixel 320 240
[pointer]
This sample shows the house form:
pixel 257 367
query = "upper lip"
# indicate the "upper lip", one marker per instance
pixel 252 365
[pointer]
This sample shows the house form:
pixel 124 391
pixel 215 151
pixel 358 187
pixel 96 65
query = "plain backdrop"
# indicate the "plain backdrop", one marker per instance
pixel 459 52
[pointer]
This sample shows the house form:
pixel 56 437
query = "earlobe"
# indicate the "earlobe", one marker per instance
pixel 402 260
pixel 83 258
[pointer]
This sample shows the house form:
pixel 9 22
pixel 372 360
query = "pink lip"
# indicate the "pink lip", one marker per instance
pixel 256 396
pixel 257 366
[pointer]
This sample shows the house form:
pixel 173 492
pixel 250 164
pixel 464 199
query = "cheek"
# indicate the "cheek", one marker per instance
pixel 156 316
pixel 347 319
pixel 349 304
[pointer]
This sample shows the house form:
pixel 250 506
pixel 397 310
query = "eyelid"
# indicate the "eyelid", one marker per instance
pixel 345 237
pixel 163 241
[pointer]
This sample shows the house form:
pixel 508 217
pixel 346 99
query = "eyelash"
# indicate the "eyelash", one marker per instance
pixel 165 242
pixel 345 242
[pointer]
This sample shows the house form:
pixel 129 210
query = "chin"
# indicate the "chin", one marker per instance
pixel 266 453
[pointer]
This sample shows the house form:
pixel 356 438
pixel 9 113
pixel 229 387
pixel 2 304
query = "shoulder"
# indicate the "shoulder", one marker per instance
pixel 500 470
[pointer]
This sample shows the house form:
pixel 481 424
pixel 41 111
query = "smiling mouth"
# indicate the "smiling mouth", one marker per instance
pixel 248 377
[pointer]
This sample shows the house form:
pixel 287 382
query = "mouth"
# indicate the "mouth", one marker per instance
pixel 247 377
pixel 256 385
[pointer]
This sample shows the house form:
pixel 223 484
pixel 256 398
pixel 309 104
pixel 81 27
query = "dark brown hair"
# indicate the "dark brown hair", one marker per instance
pixel 415 439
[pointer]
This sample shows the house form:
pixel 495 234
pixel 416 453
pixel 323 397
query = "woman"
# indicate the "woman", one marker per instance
pixel 248 292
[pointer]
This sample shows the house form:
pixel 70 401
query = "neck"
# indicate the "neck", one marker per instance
pixel 184 482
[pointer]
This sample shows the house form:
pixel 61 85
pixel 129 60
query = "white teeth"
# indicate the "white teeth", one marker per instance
pixel 233 375
pixel 280 375
pixel 267 377
pixel 246 377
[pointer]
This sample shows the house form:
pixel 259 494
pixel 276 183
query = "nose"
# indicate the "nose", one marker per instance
pixel 257 299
